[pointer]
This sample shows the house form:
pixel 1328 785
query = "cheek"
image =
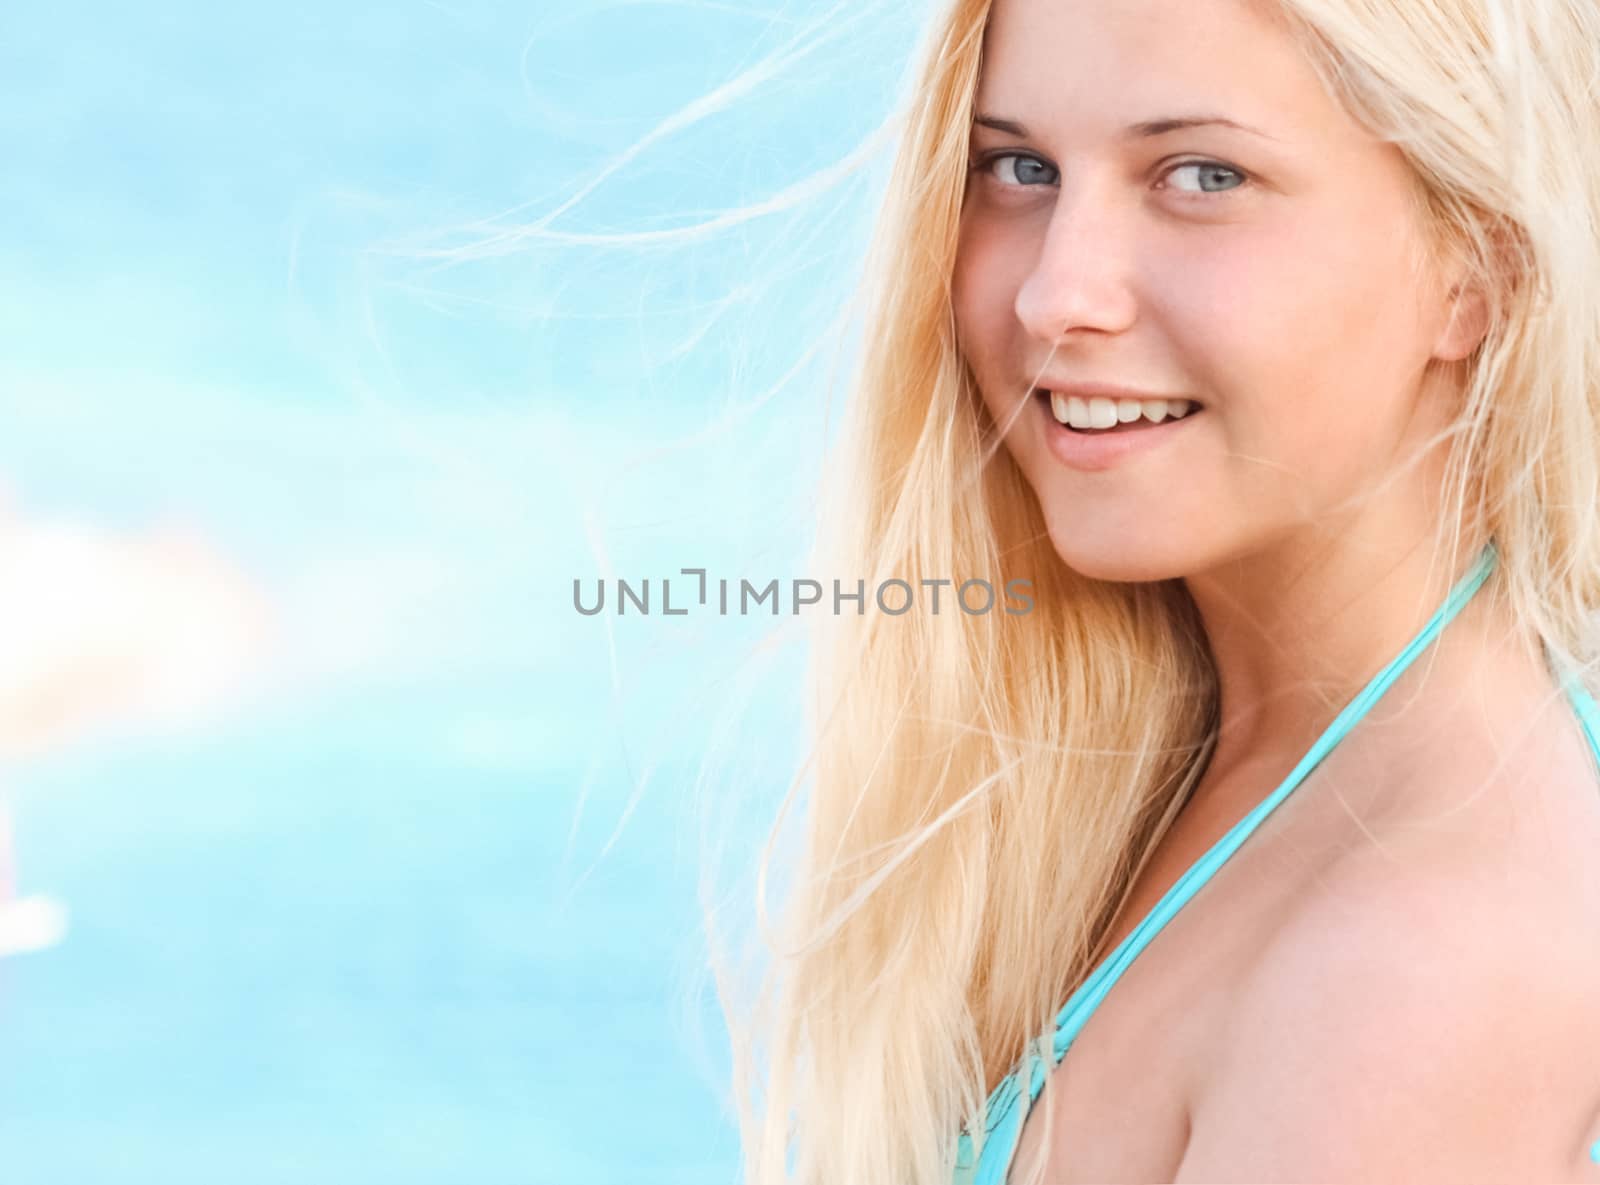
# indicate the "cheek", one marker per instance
pixel 1302 330
pixel 984 286
pixel 1358 307
pixel 991 266
pixel 976 287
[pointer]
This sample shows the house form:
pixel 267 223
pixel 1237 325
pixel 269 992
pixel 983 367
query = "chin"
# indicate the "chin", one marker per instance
pixel 1111 553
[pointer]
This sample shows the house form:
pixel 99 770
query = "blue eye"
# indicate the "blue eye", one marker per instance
pixel 1208 177
pixel 1024 171
pixel 1017 170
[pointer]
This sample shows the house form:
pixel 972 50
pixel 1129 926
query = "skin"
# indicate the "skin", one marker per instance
pixel 1287 283
pixel 1292 301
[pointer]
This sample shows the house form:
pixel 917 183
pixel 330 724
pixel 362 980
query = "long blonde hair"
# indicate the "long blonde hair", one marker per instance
pixel 984 788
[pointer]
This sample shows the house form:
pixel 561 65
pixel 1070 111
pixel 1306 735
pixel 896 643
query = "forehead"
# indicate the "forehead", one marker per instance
pixel 1056 65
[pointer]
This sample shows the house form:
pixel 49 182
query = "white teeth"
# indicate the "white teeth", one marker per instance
pixel 1107 413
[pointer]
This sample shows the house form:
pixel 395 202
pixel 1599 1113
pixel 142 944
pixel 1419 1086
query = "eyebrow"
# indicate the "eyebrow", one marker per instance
pixel 1144 130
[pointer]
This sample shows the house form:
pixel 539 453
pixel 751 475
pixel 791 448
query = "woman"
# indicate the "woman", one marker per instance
pixel 1332 271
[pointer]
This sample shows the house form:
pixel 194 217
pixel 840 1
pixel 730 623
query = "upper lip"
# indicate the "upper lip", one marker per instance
pixel 1105 391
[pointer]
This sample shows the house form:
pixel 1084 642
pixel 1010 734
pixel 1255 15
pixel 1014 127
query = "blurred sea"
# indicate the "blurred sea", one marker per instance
pixel 321 949
pixel 322 383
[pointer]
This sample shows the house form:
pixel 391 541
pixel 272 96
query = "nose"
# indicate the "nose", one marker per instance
pixel 1081 281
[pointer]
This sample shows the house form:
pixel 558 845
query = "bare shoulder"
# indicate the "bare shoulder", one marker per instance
pixel 1412 1020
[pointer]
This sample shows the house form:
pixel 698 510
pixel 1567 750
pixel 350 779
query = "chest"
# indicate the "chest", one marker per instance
pixel 1118 1106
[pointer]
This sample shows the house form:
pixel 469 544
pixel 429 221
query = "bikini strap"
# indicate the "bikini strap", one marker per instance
pixel 1005 1110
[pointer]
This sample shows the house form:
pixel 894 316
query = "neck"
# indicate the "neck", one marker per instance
pixel 1298 630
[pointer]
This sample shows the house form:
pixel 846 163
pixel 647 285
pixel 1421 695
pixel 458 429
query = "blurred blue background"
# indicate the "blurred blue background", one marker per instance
pixel 341 848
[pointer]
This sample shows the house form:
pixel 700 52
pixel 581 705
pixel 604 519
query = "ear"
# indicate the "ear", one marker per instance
pixel 1465 325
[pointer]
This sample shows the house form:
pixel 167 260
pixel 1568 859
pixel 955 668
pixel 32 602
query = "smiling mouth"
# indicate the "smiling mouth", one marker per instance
pixel 1105 417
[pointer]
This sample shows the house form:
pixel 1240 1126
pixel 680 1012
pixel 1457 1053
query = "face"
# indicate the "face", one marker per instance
pixel 1163 198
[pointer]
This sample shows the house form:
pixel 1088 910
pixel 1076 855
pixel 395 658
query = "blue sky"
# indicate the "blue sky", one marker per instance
pixel 217 308
pixel 364 900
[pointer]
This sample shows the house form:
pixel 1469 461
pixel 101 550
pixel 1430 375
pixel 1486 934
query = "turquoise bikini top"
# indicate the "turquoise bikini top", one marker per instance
pixel 1008 1106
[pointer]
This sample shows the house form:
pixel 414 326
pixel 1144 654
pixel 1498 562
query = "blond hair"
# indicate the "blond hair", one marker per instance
pixel 982 795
